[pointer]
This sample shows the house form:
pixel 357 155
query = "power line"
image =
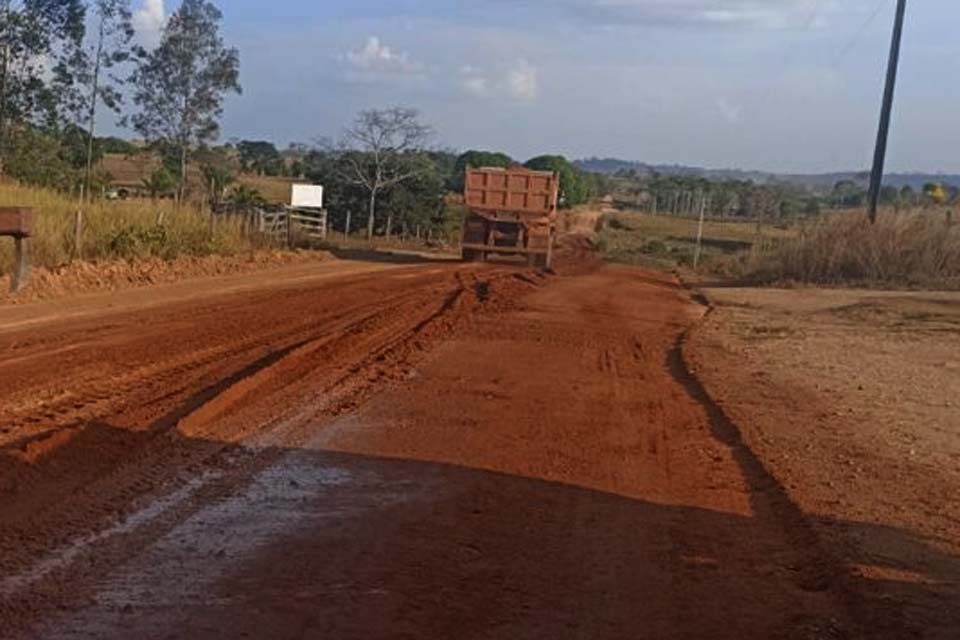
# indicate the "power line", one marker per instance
pixel 881 5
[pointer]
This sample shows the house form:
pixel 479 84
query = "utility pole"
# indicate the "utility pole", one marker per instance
pixel 880 155
pixel 703 212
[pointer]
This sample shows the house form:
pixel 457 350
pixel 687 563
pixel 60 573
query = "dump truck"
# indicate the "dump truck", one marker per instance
pixel 511 212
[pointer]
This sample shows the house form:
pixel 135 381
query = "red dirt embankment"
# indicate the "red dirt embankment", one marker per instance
pixel 114 275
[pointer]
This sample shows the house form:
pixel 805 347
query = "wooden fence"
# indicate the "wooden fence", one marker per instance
pixel 290 223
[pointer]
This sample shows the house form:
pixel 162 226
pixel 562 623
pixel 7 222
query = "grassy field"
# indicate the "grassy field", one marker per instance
pixel 670 242
pixel 127 229
pixel 913 249
pixel 131 171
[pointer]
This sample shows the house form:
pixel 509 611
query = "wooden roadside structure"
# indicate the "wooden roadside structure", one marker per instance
pixel 19 223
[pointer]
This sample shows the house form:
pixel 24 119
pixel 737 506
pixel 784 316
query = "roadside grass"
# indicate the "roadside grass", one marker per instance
pixel 668 242
pixel 908 249
pixel 918 249
pixel 118 229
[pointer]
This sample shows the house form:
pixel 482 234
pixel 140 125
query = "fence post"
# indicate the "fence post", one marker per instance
pixel 21 270
pixel 78 235
pixel 696 256
pixel 289 219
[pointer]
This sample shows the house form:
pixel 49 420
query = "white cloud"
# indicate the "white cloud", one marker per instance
pixel 732 113
pixel 477 85
pixel 774 14
pixel 377 59
pixel 474 81
pixel 148 21
pixel 522 81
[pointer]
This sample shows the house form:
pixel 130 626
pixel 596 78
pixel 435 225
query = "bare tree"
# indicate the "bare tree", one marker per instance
pixel 376 152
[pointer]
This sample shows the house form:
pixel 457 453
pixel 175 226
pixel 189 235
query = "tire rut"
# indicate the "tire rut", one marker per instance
pixel 114 464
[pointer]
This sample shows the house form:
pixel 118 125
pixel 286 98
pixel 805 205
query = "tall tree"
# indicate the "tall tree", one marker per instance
pixel 378 152
pixel 108 48
pixel 260 157
pixel 180 86
pixel 37 39
pixel 477 160
pixel 572 189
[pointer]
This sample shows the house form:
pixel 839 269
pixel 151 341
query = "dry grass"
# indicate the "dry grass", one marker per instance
pixel 911 249
pixel 669 242
pixel 117 229
pixel 274 190
pixel 131 171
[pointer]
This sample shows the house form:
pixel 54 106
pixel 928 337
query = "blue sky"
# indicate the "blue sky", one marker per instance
pixel 787 85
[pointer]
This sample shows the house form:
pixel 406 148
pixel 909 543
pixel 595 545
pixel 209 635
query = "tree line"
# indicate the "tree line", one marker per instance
pixel 688 195
pixel 850 194
pixel 384 175
pixel 63 62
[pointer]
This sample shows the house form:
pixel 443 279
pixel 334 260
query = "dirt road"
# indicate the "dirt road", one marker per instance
pixel 402 453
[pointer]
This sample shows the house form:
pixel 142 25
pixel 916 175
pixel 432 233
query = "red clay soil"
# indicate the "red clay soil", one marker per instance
pixel 422 452
pixel 114 275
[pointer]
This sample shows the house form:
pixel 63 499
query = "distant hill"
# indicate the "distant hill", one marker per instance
pixel 813 181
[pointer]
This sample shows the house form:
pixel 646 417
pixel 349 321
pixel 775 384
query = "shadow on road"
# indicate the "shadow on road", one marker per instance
pixel 390 256
pixel 290 543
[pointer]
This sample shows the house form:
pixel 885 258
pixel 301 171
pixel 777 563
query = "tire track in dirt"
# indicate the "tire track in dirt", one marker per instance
pixel 100 468
pixel 554 471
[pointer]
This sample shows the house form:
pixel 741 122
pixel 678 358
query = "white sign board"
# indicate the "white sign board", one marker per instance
pixel 307 196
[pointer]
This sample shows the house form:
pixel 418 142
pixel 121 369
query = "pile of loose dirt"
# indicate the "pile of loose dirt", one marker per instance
pixel 113 275
pixel 576 251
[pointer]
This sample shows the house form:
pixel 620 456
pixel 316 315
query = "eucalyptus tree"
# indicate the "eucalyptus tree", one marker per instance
pixel 108 48
pixel 180 87
pixel 39 40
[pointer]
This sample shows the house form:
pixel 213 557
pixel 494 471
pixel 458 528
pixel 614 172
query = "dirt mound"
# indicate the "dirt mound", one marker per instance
pixel 82 277
pixel 576 251
pixel 585 222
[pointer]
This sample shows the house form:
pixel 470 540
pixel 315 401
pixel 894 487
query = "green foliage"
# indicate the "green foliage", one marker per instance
pixel 849 194
pixel 160 183
pixel 41 39
pixel 574 189
pixel 889 195
pixel 381 151
pixel 683 195
pixel 218 177
pixel 417 201
pixel 245 198
pixel 260 157
pixel 117 145
pixel 93 66
pixel 36 157
pixel 180 86
pixel 138 242
pixel 477 160
pixel 219 168
pixel 75 147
